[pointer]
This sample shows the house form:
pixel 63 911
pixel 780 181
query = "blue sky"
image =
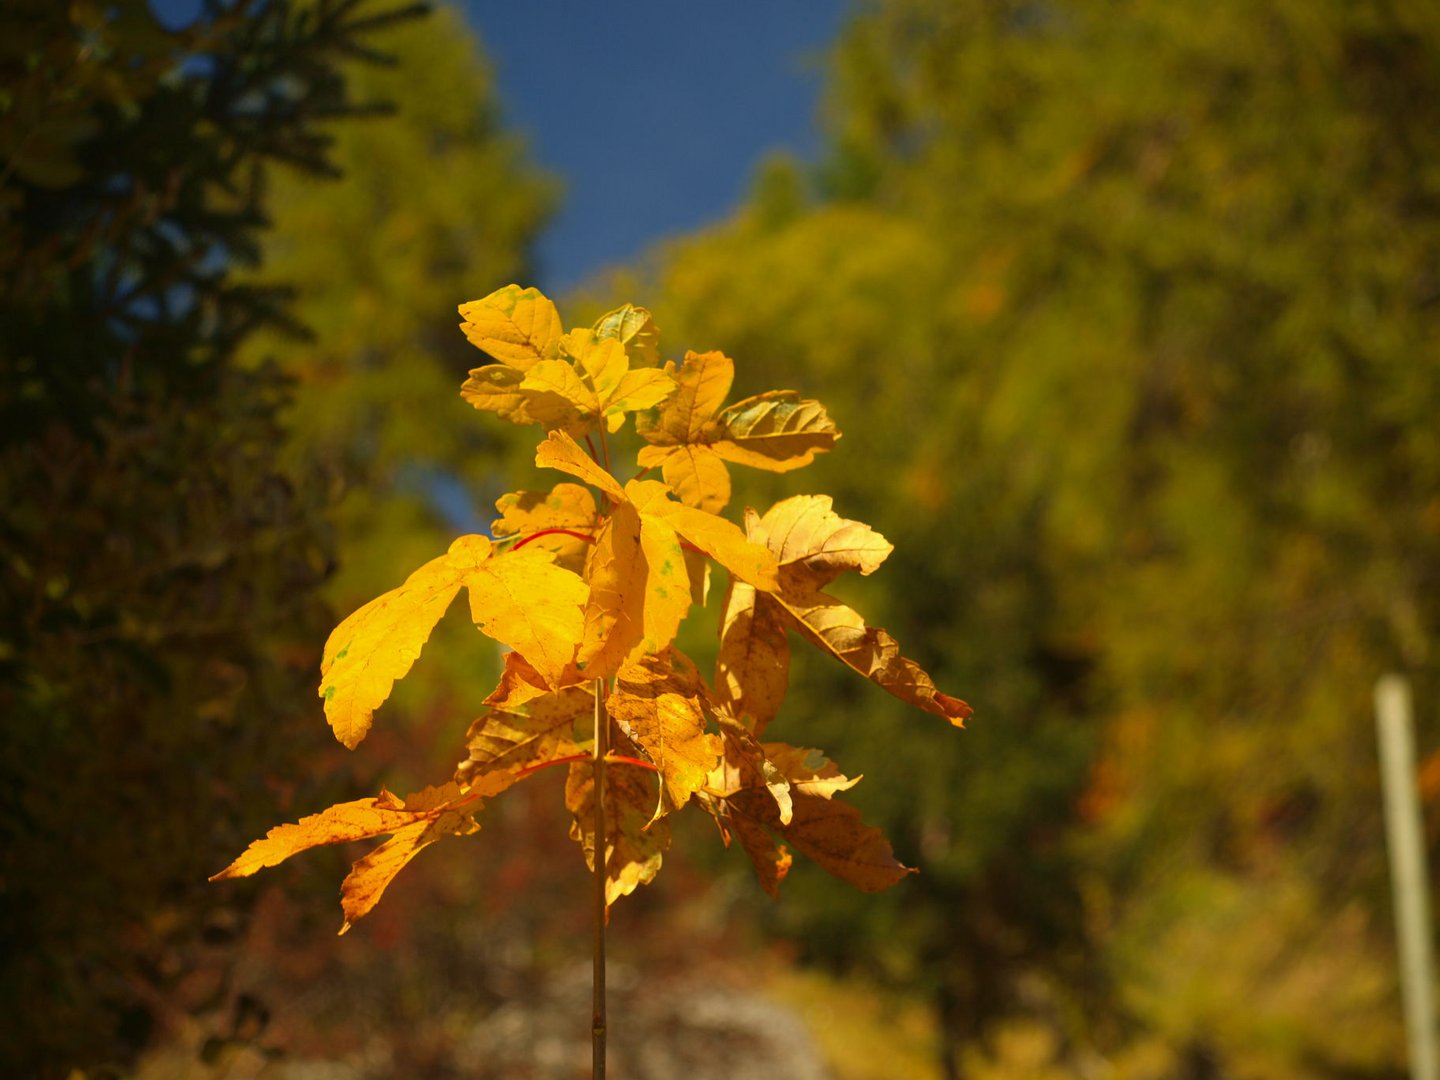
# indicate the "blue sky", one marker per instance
pixel 653 113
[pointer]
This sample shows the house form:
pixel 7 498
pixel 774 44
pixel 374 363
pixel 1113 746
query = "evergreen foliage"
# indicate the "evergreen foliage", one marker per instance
pixel 158 567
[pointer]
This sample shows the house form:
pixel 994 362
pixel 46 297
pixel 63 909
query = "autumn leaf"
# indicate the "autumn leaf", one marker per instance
pixel 518 327
pixel 521 599
pixel 580 589
pixel 507 740
pixel 659 706
pixel 740 795
pixel 634 327
pixel 574 381
pixel 692 436
pixel 640 584
pixel 812 545
pixel 635 843
pixel 415 821
pixel 600 385
pixel 752 671
pixel 567 507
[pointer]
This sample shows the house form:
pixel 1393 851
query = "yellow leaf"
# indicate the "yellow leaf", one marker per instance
pixel 602 360
pixel 772 861
pixel 666 584
pixel 701 385
pixel 555 396
pixel 505 741
pixel 716 537
pixel 519 683
pixel 752 670
pixel 560 451
pixel 813 544
pixel 696 474
pixel 496 388
pixel 828 832
pixel 415 822
pixel 869 650
pixel 744 747
pixel 380 642
pixel 516 326
pixel 776 431
pixel 636 390
pixel 566 506
pixel 369 877
pixel 615 616
pixel 634 843
pixel 635 328
pixel 831 834
pixel 525 601
pixel 692 436
pixel 660 709
pixel 338 824
pixel 520 599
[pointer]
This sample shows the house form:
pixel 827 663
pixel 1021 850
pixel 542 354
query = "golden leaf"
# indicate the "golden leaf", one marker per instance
pixel 660 709
pixel 741 793
pixel 566 506
pixel 519 683
pixel 813 544
pixel 516 326
pixel 716 537
pixel 776 431
pixel 520 599
pixel 615 616
pixel 634 844
pixel 381 641
pixel 368 878
pixel 752 671
pixel 692 436
pixel 415 822
pixel 496 388
pixel 695 473
pixel 635 328
pixel 868 650
pixel 560 451
pixel 504 741
pixel 525 601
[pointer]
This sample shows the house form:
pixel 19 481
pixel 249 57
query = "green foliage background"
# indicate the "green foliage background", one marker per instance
pixel 1129 314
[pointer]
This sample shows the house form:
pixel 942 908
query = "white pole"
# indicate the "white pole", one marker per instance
pixel 1408 878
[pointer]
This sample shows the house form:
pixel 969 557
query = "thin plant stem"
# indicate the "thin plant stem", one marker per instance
pixel 602 740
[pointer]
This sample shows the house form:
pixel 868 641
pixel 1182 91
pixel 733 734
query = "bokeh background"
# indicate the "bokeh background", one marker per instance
pixel 1130 313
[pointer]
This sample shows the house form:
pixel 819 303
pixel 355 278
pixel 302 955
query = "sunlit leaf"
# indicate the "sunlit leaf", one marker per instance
pixel 516 326
pixel 634 843
pixel 635 328
pixel 660 708
pixel 692 436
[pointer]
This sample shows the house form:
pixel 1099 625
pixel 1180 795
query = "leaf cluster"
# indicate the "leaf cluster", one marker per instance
pixel 587 584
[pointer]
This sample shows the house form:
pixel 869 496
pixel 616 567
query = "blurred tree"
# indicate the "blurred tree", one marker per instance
pixel 159 614
pixel 438 206
pixel 1143 302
